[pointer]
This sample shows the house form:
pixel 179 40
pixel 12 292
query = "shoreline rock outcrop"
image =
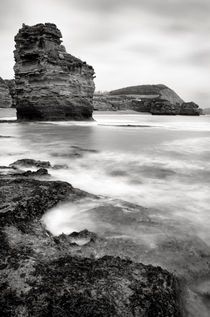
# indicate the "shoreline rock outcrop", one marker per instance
pixel 44 275
pixel 50 83
pixel 154 99
pixel 5 97
pixel 190 109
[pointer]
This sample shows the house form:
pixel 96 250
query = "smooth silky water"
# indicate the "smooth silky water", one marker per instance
pixel 159 162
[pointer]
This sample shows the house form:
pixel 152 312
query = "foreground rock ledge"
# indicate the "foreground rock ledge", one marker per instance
pixel 41 277
pixel 50 83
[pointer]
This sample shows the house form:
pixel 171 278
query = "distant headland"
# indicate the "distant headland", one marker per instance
pixel 51 84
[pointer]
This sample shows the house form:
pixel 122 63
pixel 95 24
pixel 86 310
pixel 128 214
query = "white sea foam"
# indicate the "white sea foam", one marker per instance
pixel 159 168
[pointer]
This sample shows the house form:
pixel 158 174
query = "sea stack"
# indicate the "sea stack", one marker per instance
pixel 50 83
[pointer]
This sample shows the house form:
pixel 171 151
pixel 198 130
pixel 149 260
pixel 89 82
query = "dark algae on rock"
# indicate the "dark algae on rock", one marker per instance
pixel 109 286
pixel 42 275
pixel 50 83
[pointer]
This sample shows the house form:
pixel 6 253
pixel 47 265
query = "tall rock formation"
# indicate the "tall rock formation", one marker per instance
pixel 5 97
pixel 50 83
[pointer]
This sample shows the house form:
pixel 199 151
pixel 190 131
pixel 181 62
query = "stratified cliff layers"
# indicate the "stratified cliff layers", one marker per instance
pixel 5 97
pixel 50 83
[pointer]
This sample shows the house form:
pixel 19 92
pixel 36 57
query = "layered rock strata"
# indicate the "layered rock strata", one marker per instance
pixel 50 83
pixel 5 97
pixel 45 275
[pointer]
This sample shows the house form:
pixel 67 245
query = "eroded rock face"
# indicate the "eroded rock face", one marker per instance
pixel 190 109
pixel 50 83
pixel 5 97
pixel 43 275
pixel 141 105
pixel 164 107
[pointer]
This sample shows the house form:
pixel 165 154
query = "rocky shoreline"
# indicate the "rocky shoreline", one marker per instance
pixel 46 275
pixel 154 99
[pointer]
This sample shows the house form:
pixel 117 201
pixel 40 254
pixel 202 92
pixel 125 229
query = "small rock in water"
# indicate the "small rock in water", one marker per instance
pixel 31 163
pixel 39 172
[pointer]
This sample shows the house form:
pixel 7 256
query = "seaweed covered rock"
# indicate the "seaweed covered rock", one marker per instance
pixel 50 83
pixel 107 287
pixel 5 97
pixel 40 275
pixel 24 199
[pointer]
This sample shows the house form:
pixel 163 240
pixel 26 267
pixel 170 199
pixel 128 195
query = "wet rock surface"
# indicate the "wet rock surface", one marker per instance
pixel 31 163
pixel 43 275
pixel 50 83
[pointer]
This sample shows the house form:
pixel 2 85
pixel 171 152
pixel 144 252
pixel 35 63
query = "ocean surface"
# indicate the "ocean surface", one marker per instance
pixel 159 162
pixel 155 161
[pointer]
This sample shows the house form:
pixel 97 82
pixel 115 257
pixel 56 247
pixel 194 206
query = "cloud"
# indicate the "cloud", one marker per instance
pixel 127 42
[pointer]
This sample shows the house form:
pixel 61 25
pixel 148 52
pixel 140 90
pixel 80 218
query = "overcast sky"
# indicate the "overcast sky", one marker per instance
pixel 128 42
